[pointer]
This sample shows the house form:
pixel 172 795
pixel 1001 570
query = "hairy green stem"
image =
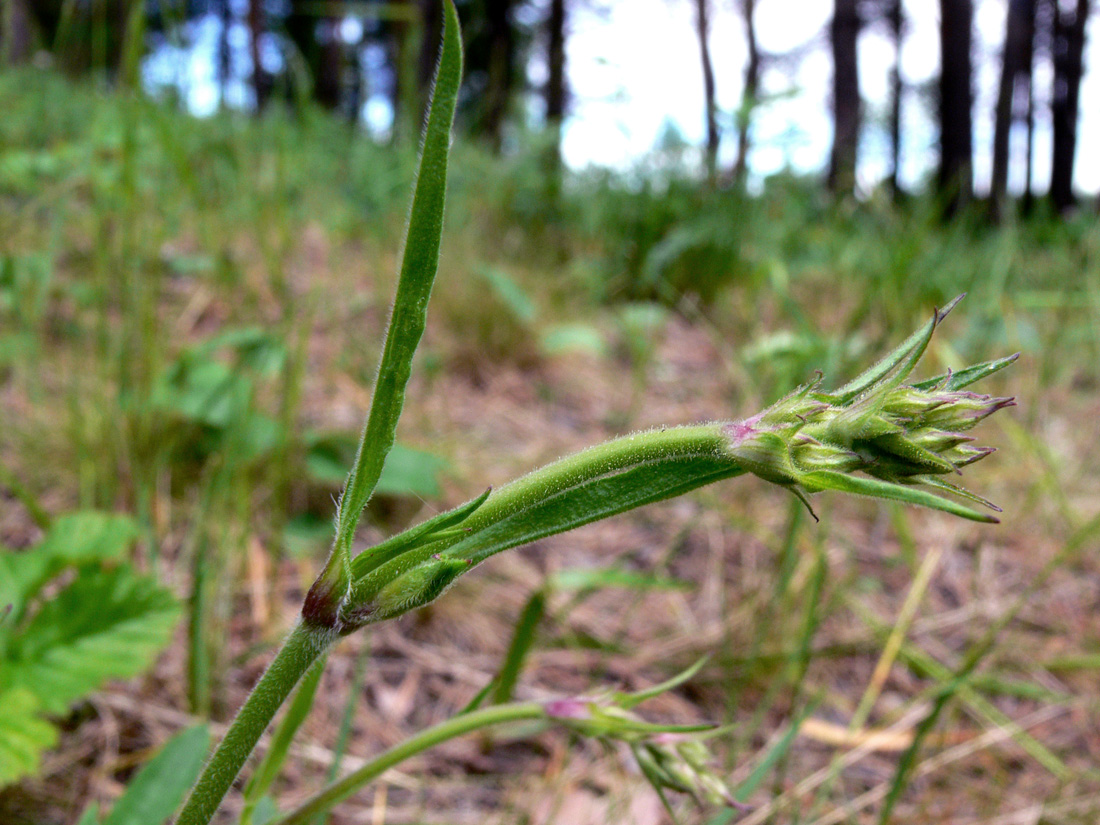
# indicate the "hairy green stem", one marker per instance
pixel 301 649
pixel 426 739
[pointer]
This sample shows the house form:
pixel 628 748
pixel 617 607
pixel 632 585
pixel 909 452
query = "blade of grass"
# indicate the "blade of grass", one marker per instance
pixel 347 719
pixel 890 652
pixel 523 638
pixel 974 656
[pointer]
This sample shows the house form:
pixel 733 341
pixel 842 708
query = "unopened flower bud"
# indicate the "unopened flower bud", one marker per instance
pixel 964 410
pixel 412 589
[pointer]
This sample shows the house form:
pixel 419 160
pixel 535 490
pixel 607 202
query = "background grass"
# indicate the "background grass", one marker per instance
pixel 190 316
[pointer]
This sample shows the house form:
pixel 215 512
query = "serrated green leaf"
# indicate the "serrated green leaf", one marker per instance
pixel 80 537
pixel 106 624
pixel 23 735
pixel 75 538
pixel 157 789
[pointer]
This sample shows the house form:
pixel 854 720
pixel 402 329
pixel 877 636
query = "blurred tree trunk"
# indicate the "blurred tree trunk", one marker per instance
pixel 431 19
pixel 1015 76
pixel 556 92
pixel 501 69
pixel 83 35
pixel 404 48
pixel 956 100
pixel 555 60
pixel 896 21
pixel 1068 49
pixel 16 32
pixel 844 34
pixel 318 43
pixel 749 95
pixel 225 53
pixel 702 28
pixel 262 82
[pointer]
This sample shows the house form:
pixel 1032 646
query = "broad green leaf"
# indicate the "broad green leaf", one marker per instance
pixel 90 815
pixel 411 472
pixel 106 624
pixel 157 789
pixel 23 735
pixel 89 536
pixel 414 287
pixel 406 471
pixel 563 338
pixel 510 293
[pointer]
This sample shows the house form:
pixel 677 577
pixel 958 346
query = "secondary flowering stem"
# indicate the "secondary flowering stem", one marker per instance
pixel 425 740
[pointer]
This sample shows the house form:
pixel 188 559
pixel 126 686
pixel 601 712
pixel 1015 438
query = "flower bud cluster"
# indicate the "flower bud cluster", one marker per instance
pixel 900 434
pixel 681 763
pixel 675 760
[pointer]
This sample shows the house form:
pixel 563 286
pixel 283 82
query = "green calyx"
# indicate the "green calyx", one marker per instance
pixel 902 435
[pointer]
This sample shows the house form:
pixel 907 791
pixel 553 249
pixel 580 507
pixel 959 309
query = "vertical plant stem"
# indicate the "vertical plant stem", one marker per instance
pixel 301 649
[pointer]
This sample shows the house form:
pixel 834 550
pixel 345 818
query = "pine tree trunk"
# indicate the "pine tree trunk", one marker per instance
pixel 702 29
pixel 897 31
pixel 1068 48
pixel 846 98
pixel 956 100
pixel 555 60
pixel 751 91
pixel 1015 76
pixel 501 70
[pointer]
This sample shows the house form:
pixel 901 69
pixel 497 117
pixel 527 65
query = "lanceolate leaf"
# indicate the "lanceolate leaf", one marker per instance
pixel 965 377
pixel 860 485
pixel 909 349
pixel 418 269
pixel 554 500
pixel 107 624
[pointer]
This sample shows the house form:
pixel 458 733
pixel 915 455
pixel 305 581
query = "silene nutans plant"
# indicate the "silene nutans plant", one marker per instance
pixel 880 435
